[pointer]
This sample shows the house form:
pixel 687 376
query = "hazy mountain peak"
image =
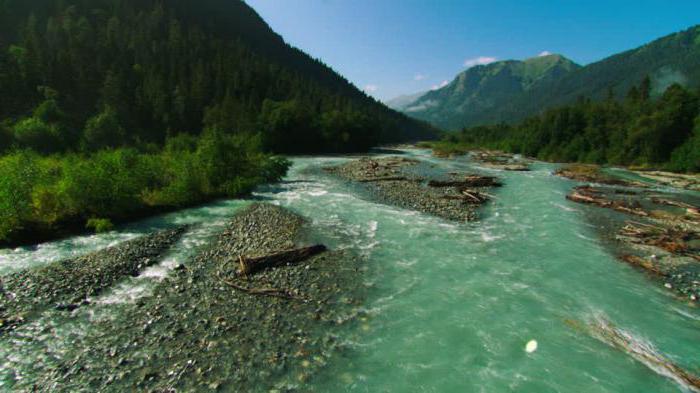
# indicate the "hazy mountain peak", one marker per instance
pixel 484 86
pixel 403 101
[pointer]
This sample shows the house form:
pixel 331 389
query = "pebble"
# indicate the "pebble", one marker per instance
pixel 531 346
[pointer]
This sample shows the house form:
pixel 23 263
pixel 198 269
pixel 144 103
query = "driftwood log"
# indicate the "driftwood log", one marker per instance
pixel 471 197
pixel 674 240
pixel 249 266
pixel 643 352
pixel 593 196
pixel 469 181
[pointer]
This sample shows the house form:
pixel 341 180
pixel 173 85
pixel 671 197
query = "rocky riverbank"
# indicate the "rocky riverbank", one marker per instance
pixel 412 184
pixel 69 284
pixel 657 232
pixel 207 328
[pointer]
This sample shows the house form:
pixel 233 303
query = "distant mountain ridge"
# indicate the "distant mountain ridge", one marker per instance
pixel 480 89
pixel 510 91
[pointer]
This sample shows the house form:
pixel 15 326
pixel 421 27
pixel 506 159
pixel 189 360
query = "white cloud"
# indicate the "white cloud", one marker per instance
pixel 481 60
pixel 422 106
pixel 440 86
pixel 418 77
pixel 370 88
pixel 544 53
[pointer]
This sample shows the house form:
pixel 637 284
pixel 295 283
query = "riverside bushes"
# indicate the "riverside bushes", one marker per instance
pixel 42 192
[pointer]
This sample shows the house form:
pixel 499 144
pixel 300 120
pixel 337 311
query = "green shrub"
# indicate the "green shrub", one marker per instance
pixel 103 131
pixel 274 168
pixel 18 173
pixel 33 133
pixel 183 182
pixel 108 182
pixel 46 191
pixel 49 112
pixel 686 158
pixel 100 225
pixel 181 143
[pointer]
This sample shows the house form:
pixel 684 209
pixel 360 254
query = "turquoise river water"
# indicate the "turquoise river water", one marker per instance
pixel 451 307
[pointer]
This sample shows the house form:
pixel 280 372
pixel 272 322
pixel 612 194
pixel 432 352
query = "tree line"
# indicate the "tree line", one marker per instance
pixel 639 130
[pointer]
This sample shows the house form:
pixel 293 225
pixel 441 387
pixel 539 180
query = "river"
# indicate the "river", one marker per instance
pixel 451 307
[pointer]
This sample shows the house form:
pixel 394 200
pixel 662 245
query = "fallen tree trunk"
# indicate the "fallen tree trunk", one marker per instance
pixel 589 196
pixel 253 265
pixel 469 181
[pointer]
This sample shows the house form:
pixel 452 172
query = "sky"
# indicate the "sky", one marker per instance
pixel 394 47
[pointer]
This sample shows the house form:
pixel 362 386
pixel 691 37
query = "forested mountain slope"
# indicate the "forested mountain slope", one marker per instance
pixel 476 92
pixel 164 67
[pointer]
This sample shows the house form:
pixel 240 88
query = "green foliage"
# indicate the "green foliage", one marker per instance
pixel 49 112
pixel 103 131
pixel 100 225
pixel 6 137
pixel 18 172
pixel 638 131
pixel 33 133
pixel 218 165
pixel 45 192
pixel 687 157
pixel 109 181
pixel 274 168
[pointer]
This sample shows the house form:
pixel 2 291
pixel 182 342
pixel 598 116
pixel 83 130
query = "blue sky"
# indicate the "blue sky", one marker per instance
pixel 393 47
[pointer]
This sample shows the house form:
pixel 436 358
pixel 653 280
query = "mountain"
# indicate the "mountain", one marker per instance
pixel 671 59
pixel 402 102
pixel 511 91
pixel 481 89
pixel 167 67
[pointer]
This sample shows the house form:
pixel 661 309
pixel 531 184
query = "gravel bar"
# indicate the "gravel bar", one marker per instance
pixel 68 284
pixel 394 181
pixel 197 333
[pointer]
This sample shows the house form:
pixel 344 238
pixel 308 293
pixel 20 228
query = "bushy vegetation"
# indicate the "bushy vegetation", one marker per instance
pixel 640 131
pixel 41 192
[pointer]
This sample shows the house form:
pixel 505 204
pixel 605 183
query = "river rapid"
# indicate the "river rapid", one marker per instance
pixel 450 307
